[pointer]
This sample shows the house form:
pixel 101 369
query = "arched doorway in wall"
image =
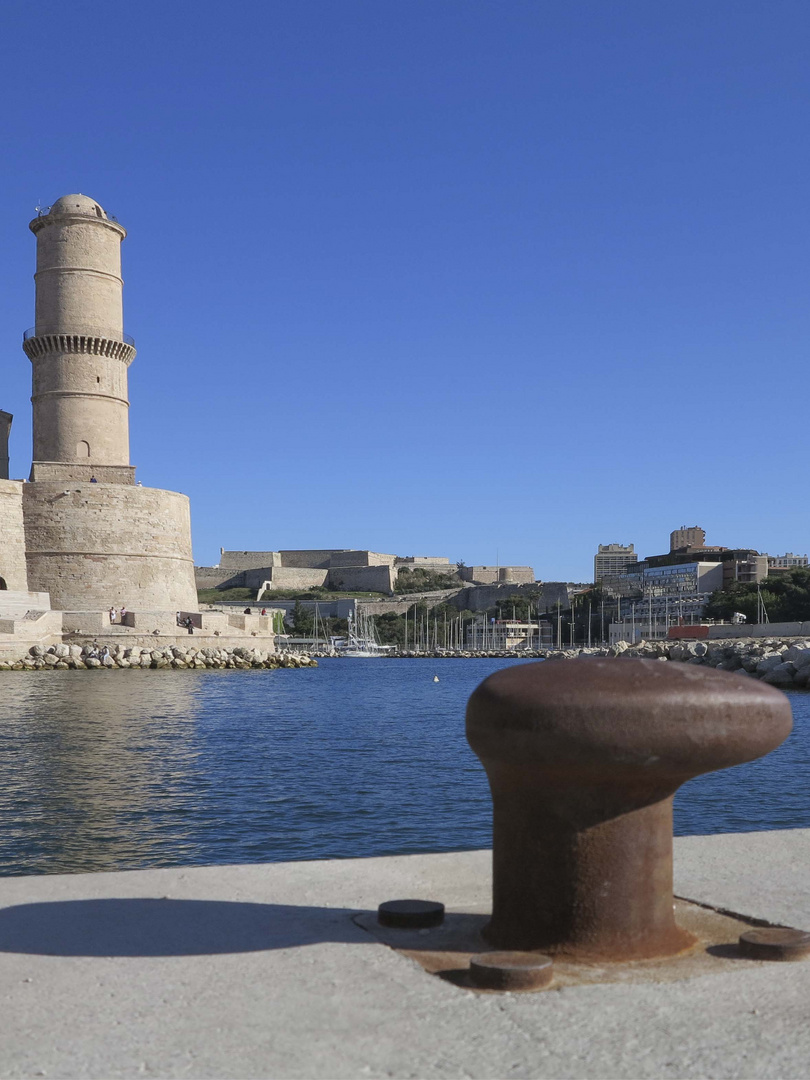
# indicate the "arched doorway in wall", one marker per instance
pixel 82 450
pixel 3 584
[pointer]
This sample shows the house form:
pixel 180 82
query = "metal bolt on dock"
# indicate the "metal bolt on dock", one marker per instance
pixel 511 971
pixel 410 914
pixel 775 943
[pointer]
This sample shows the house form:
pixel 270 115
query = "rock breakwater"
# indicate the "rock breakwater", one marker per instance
pixel 109 657
pixel 782 662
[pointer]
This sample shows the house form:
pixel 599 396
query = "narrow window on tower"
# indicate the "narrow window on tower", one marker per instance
pixel 83 449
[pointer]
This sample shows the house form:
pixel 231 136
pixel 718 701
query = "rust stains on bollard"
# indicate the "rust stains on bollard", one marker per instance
pixel 410 914
pixel 583 759
pixel 511 971
pixel 775 943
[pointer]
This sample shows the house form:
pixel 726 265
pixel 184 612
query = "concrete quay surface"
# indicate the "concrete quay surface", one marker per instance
pixel 259 971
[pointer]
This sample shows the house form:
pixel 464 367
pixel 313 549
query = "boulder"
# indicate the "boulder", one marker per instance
pixel 798 654
pixel 734 661
pixel 682 651
pixel 782 675
pixel 768 663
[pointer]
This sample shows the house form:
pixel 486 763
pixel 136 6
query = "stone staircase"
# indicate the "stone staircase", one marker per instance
pixel 15 605
pixel 26 619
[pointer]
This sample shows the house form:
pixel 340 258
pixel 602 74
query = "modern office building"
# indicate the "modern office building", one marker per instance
pixel 611 560
pixel 653 598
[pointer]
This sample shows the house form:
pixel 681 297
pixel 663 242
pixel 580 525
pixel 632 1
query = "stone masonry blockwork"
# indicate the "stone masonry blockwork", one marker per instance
pixel 12 542
pixel 78 353
pixel 93 545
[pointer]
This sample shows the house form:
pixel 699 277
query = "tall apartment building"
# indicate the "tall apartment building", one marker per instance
pixel 610 561
pixel 691 537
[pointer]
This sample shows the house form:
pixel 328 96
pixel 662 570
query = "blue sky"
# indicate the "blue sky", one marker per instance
pixel 489 279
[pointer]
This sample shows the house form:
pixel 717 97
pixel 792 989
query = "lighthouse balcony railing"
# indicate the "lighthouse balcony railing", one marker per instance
pixel 32 332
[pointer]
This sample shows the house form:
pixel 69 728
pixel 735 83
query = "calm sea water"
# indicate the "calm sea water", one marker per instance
pixel 356 757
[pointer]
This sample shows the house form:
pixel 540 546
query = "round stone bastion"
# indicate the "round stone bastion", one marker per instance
pixel 94 545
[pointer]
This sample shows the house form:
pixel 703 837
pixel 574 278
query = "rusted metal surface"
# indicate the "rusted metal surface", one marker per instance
pixel 448 950
pixel 511 971
pixel 583 759
pixel 775 943
pixel 410 914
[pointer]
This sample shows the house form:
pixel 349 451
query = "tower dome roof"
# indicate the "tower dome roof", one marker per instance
pixel 77 204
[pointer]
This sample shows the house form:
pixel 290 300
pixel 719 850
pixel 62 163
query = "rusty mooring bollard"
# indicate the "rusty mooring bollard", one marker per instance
pixel 583 759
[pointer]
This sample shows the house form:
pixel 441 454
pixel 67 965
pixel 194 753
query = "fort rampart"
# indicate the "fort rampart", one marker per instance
pixel 359 574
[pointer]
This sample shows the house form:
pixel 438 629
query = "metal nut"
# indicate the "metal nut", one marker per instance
pixel 410 914
pixel 775 943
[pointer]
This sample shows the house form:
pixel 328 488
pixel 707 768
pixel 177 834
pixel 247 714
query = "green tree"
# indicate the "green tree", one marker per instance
pixel 786 598
pixel 302 620
pixel 390 628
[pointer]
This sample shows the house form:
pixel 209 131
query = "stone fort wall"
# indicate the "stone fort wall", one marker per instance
pixel 13 569
pixel 246 560
pixel 363 578
pixel 352 578
pixel 314 559
pixel 94 545
pixel 285 577
pixel 319 559
pixel 494 575
pixel 340 559
pixel 212 577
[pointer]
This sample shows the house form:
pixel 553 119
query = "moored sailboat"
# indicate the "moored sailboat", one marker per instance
pixel 362 641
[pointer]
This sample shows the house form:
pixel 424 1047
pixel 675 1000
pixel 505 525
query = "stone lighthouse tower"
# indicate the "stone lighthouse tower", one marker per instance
pixel 93 538
pixel 78 348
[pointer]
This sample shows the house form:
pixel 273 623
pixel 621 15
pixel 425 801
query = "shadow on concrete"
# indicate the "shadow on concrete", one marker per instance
pixel 153 926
